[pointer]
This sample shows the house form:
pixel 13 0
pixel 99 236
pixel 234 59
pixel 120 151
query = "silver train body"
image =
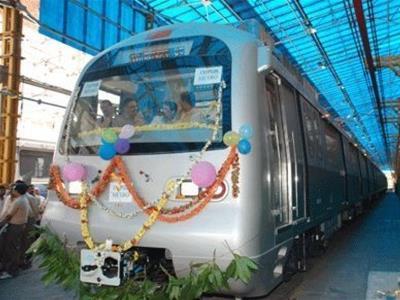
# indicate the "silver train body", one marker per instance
pixel 301 179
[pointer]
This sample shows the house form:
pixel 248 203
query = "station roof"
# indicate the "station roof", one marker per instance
pixel 349 50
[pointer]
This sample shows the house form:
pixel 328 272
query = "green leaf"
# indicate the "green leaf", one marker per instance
pixel 61 265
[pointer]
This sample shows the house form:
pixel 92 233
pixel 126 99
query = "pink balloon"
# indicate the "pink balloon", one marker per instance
pixel 203 174
pixel 74 172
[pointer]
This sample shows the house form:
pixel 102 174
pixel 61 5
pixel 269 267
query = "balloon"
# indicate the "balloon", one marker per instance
pixel 244 146
pixel 122 146
pixel 107 151
pixel 231 138
pixel 127 131
pixel 74 172
pixel 109 136
pixel 203 174
pixel 246 131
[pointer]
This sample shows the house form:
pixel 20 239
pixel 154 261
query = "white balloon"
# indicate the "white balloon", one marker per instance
pixel 127 131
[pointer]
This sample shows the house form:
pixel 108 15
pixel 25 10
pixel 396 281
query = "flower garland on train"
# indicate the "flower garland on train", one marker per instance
pixel 155 211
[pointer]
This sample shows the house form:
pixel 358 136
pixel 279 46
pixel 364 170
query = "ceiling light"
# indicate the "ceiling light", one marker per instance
pixel 325 116
pixel 311 30
pixel 206 2
pixel 322 65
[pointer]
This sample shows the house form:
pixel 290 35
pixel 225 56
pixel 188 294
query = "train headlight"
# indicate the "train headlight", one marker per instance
pixel 188 190
pixel 75 187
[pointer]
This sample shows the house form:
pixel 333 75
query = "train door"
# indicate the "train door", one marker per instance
pixel 279 180
pixel 295 148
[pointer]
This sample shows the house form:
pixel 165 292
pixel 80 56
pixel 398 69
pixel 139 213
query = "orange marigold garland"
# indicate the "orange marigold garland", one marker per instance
pixel 154 212
pixel 166 215
pixel 59 188
pixel 207 195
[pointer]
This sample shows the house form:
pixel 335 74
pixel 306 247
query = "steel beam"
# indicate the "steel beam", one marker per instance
pixel 11 59
pixel 358 8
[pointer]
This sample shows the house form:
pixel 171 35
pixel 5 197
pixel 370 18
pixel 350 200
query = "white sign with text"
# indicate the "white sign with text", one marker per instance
pixel 119 193
pixel 209 75
pixel 91 88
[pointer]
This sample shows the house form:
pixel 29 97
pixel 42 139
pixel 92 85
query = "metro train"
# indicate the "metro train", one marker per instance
pixel 303 176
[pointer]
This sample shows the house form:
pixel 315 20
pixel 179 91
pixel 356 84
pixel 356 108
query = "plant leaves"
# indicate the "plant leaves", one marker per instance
pixel 62 266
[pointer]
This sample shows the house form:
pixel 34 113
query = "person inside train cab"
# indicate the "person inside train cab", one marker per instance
pixel 108 110
pixel 130 114
pixel 84 118
pixel 168 113
pixel 186 110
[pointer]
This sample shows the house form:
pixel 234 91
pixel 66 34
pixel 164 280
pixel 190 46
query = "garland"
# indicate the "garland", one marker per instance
pixel 205 197
pixel 56 183
pixel 152 127
pixel 235 177
pixel 58 186
pixel 155 212
pixel 112 212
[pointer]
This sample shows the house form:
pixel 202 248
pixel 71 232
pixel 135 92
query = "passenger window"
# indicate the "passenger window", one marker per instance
pixel 334 158
pixel 278 160
pixel 312 132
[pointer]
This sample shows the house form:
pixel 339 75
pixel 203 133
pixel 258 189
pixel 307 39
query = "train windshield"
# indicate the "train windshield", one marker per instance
pixel 175 94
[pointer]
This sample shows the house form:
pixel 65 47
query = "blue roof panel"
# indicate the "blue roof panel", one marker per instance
pixel 321 38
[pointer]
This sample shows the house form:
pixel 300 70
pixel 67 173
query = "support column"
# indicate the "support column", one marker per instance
pixel 11 59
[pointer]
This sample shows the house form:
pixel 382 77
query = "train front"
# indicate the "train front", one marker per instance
pixel 142 162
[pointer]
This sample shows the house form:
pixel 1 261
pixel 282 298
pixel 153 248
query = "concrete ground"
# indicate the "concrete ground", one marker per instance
pixel 27 285
pixel 362 258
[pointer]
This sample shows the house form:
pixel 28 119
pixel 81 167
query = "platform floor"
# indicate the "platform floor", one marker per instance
pixel 362 258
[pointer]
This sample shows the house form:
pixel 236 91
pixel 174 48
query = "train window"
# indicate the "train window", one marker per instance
pixel 312 132
pixel 317 133
pixel 279 176
pixel 353 160
pixel 334 158
pixel 34 164
pixel 167 97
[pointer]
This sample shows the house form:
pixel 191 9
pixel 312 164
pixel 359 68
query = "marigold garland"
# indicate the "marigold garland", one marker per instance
pixel 235 176
pixel 153 212
pixel 58 186
pixel 118 164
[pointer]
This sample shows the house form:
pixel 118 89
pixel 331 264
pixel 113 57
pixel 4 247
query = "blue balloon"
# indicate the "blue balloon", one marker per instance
pixel 246 131
pixel 244 146
pixel 107 151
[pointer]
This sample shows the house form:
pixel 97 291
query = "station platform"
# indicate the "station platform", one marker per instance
pixel 362 259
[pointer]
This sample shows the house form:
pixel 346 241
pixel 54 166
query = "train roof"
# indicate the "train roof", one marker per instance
pixel 249 31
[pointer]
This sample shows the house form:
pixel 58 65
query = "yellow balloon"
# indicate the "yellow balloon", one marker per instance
pixel 231 138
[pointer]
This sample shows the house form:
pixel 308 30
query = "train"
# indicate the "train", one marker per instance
pixel 302 177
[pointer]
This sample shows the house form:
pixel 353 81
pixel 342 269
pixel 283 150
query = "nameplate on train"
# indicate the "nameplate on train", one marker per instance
pixel 119 193
pixel 208 75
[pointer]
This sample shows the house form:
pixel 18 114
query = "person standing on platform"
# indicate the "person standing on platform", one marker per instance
pixel 43 203
pixel 33 218
pixel 2 197
pixel 11 238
